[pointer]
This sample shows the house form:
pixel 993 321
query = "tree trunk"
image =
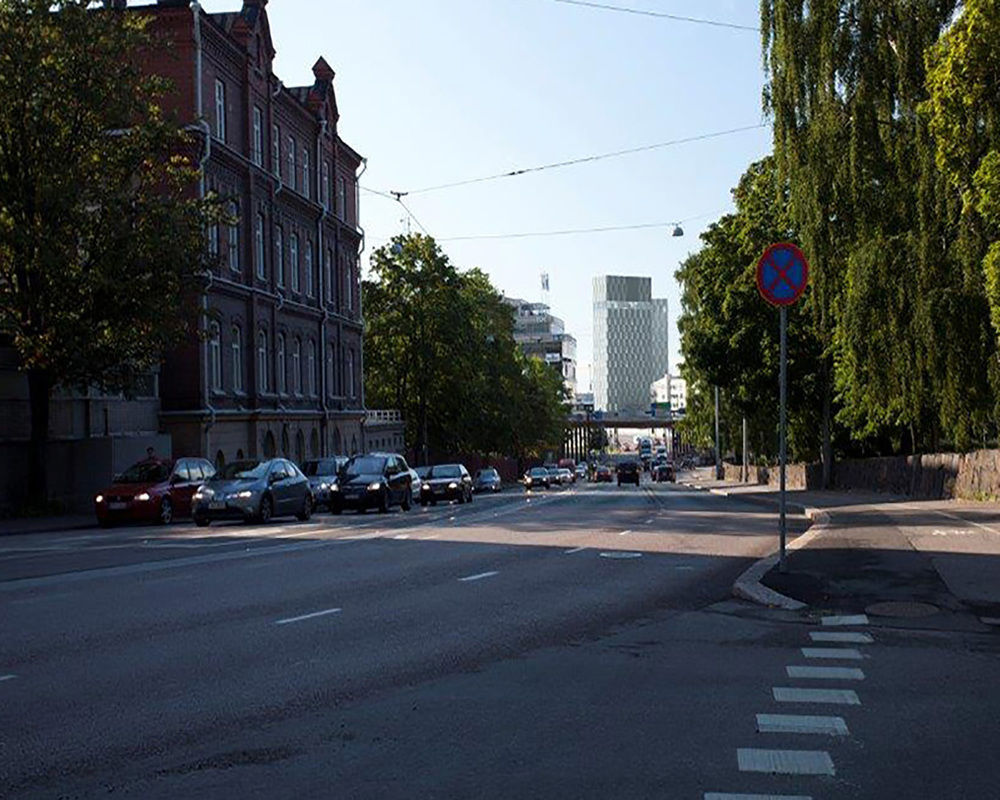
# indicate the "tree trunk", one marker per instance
pixel 39 394
pixel 827 433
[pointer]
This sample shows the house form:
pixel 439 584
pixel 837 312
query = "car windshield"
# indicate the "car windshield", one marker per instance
pixel 243 471
pixel 365 465
pixel 446 471
pixel 539 472
pixel 322 466
pixel 487 473
pixel 145 472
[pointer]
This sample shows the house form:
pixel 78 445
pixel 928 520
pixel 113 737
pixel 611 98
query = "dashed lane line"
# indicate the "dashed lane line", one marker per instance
pixel 729 796
pixel 785 762
pixel 478 577
pixel 847 620
pixel 7 677
pixel 831 637
pixel 574 550
pixel 843 697
pixel 826 673
pixel 798 723
pixel 323 613
pixel 843 653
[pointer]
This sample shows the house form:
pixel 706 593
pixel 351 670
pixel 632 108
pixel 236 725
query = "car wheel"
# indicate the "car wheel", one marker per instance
pixel 307 509
pixel 166 515
pixel 202 522
pixel 266 509
pixel 405 505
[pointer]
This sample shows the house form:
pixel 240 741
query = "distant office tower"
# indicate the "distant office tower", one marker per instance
pixel 631 341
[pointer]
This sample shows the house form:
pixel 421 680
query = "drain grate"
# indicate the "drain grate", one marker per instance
pixel 898 609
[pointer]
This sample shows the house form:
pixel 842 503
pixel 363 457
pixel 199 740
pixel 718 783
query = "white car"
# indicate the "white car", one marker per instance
pixel 565 475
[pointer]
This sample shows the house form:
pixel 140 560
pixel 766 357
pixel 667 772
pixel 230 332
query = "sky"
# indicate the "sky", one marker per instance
pixel 439 91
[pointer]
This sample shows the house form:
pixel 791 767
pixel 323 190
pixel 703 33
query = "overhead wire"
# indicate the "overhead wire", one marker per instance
pixel 660 14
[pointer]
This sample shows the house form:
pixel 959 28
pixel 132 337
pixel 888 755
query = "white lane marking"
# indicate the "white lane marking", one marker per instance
pixel 401 536
pixel 826 673
pixel 574 550
pixel 479 577
pixel 785 762
pixel 309 616
pixel 432 536
pixel 617 554
pixel 845 653
pixel 7 677
pixel 729 796
pixel 624 533
pixel 966 521
pixel 850 619
pixel 836 636
pixel 798 723
pixel 684 566
pixel 844 697
pixel 647 522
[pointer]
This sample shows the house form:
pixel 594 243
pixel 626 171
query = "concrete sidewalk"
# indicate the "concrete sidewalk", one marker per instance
pixel 63 522
pixel 903 562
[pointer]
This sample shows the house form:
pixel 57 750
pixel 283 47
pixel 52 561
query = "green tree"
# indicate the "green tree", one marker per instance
pixel 100 237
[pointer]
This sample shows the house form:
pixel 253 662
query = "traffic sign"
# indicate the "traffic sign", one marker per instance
pixel 782 274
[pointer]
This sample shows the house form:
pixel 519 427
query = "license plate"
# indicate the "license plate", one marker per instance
pixel 117 506
pixel 216 505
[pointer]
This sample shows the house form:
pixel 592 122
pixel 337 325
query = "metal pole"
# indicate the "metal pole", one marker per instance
pixel 782 453
pixel 718 454
pixel 745 475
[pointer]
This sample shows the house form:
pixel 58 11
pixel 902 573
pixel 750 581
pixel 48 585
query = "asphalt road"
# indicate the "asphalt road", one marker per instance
pixel 574 643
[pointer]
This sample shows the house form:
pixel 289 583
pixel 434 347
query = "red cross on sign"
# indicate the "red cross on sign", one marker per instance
pixel 782 274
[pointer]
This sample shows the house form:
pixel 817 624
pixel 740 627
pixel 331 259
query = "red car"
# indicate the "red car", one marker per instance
pixel 603 474
pixel 154 490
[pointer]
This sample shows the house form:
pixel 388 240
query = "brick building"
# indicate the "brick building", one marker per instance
pixel 280 368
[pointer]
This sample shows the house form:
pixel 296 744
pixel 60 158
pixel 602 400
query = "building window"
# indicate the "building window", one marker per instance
pixel 310 281
pixel 237 347
pixel 258 236
pixel 326 185
pixel 215 357
pixel 282 373
pixel 349 280
pixel 350 373
pixel 330 370
pixel 341 209
pixel 328 275
pixel 306 177
pixel 291 161
pixel 234 239
pixel 297 366
pixel 279 257
pixel 220 110
pixel 311 368
pixel 262 382
pixel 258 136
pixel 276 150
pixel 293 261
pixel 213 240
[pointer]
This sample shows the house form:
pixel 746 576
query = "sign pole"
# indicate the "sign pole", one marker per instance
pixel 782 451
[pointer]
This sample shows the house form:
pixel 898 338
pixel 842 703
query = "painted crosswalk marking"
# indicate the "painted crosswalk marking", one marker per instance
pixel 840 637
pixel 800 723
pixel 826 673
pixel 851 619
pixel 786 694
pixel 729 796
pixel 846 653
pixel 785 762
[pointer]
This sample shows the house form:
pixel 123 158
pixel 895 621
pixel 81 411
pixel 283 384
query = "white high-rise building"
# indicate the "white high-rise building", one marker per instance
pixel 631 339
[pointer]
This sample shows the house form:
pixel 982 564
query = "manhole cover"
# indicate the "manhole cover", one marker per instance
pixel 896 609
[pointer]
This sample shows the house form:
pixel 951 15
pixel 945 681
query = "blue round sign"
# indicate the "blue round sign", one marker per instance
pixel 782 274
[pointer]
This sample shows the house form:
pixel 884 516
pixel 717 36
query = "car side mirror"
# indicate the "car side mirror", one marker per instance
pixel 274 477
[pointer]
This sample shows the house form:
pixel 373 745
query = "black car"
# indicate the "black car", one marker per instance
pixel 664 471
pixel 628 472
pixel 322 474
pixel 537 478
pixel 253 490
pixel 376 480
pixel 487 480
pixel 446 482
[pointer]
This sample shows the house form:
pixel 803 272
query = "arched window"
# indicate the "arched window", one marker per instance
pixel 349 288
pixel 282 372
pixel 291 161
pixel 215 356
pixel 330 371
pixel 233 245
pixel 220 461
pixel 306 177
pixel 262 382
pixel 293 261
pixel 326 185
pixel 239 454
pixel 314 444
pixel 300 447
pixel 285 447
pixel 328 275
pixel 310 278
pixel 269 445
pixel 337 443
pixel 237 351
pixel 258 246
pixel 311 368
pixel 279 257
pixel 297 366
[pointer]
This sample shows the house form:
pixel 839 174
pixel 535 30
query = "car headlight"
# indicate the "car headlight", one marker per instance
pixel 334 487
pixel 244 495
pixel 324 487
pixel 374 486
pixel 527 480
pixel 453 485
pixel 99 498
pixel 142 497
pixel 426 487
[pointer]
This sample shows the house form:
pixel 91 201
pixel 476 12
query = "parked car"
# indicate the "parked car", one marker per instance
pixel 323 477
pixel 375 480
pixel 628 472
pixel 487 480
pixel 537 478
pixel 446 482
pixel 570 464
pixel 581 471
pixel 603 474
pixel 254 490
pixel 554 477
pixel 565 475
pixel 153 490
pixel 664 471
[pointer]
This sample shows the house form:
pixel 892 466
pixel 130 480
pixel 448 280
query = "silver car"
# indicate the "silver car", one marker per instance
pixel 253 490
